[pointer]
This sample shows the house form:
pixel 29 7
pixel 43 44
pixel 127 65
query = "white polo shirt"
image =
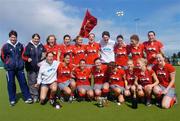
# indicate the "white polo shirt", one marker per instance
pixel 107 51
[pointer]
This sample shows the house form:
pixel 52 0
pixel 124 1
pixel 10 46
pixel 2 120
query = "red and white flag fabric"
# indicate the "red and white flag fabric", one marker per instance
pixel 88 24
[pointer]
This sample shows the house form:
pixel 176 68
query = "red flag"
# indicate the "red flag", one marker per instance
pixel 88 24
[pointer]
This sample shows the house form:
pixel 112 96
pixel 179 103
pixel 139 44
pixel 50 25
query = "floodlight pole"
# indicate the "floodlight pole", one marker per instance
pixel 136 22
pixel 120 14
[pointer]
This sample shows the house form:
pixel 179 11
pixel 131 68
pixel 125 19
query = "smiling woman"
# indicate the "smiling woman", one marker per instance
pixel 14 66
pixel 46 80
pixel 33 54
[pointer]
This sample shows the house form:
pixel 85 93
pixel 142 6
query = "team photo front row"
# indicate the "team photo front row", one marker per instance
pixel 96 71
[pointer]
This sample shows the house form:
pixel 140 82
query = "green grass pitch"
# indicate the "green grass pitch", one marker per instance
pixel 83 111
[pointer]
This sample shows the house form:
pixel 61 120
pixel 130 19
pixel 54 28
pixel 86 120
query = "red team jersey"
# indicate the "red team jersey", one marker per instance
pixel 92 51
pixel 64 72
pixel 53 49
pixel 78 53
pixel 121 55
pixel 66 49
pixel 136 52
pixel 116 78
pixel 130 76
pixel 145 78
pixel 100 77
pixel 82 77
pixel 163 74
pixel 152 48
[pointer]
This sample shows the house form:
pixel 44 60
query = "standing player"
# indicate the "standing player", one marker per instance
pixel 51 46
pixel 78 50
pixel 82 74
pixel 165 91
pixel 33 54
pixel 135 49
pixel 47 77
pixel 100 75
pixel 146 81
pixel 65 82
pixel 92 50
pixel 120 50
pixel 152 47
pixel 66 47
pixel 116 79
pixel 14 66
pixel 107 48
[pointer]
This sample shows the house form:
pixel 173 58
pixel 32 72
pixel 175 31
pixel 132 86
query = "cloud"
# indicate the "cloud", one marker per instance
pixel 44 17
pixel 57 17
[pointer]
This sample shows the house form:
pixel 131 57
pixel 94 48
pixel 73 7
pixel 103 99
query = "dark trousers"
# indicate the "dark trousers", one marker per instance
pixel 10 75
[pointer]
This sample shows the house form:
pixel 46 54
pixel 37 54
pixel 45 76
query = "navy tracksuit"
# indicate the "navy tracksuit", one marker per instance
pixel 11 55
pixel 32 68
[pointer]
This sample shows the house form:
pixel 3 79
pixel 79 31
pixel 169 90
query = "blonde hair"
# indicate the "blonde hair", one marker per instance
pixel 142 60
pixel 130 60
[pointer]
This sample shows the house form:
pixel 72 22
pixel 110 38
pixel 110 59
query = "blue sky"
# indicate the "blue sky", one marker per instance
pixel 61 17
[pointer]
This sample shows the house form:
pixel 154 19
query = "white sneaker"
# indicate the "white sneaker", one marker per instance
pixel 35 100
pixel 148 103
pixel 29 101
pixel 12 103
pixel 51 101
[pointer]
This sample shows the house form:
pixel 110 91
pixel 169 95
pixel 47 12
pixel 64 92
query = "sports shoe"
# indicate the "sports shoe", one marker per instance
pixel 62 99
pixel 70 99
pixel 158 104
pixel 51 101
pixel 148 103
pixel 12 103
pixel 79 99
pixel 29 101
pixel 35 99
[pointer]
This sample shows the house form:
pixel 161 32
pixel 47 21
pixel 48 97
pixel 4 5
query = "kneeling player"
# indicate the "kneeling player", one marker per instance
pixel 165 91
pixel 116 78
pixel 130 88
pixel 147 79
pixel 47 80
pixel 65 82
pixel 82 74
pixel 99 72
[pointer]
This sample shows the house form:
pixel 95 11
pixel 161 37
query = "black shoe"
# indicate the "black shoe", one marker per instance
pixel 158 102
pixel 80 99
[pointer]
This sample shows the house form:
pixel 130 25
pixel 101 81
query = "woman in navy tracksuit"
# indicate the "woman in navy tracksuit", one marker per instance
pixel 33 54
pixel 11 55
